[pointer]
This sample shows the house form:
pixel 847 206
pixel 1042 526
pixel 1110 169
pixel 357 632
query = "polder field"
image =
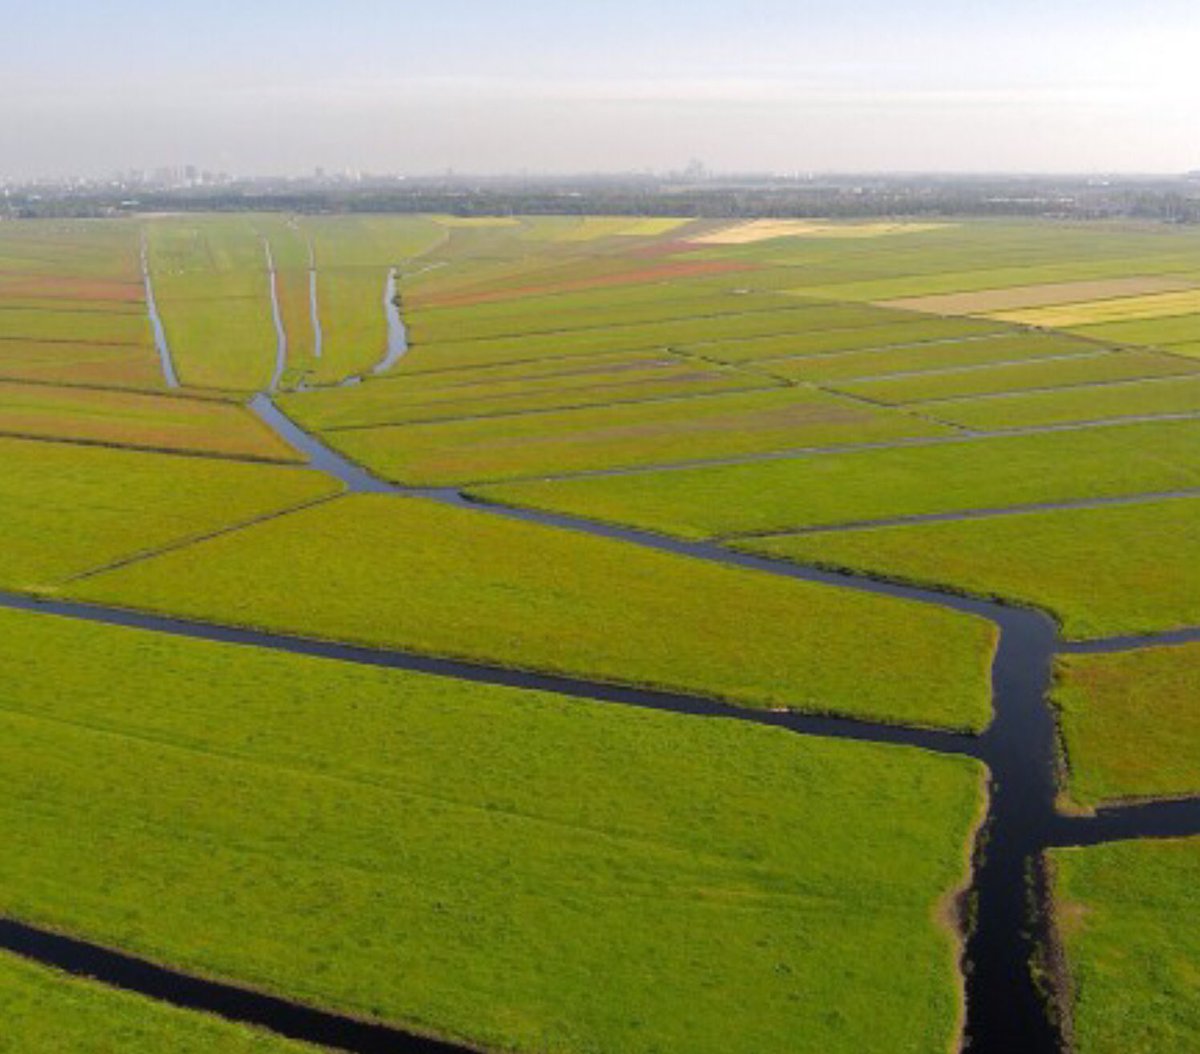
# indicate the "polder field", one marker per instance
pixel 597 634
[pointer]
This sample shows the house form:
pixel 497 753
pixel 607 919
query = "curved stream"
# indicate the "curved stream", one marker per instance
pixel 281 341
pixel 1005 1012
pixel 397 332
pixel 170 377
pixel 314 304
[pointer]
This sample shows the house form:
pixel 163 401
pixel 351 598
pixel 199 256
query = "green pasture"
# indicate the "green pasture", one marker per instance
pixel 1130 723
pixel 66 509
pixel 623 436
pixel 1097 367
pixel 1143 398
pixel 212 289
pixel 395 401
pixel 931 355
pixel 51 1013
pixel 863 335
pixel 1129 569
pixel 832 488
pixel 611 879
pixel 1130 923
pixel 113 417
pixel 413 574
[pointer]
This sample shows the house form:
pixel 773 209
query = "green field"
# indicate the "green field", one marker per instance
pixel 612 880
pixel 1159 398
pixel 622 436
pixel 211 285
pixel 518 871
pixel 1129 920
pixel 395 401
pixel 1130 724
pixel 51 1013
pixel 112 417
pixel 859 486
pixel 65 510
pixel 414 574
pixel 917 358
pixel 1128 569
pixel 1097 368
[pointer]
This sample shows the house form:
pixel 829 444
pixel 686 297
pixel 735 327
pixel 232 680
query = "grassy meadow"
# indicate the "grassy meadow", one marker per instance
pixel 1129 922
pixel 842 488
pixel 66 510
pixel 1130 724
pixel 51 1013
pixel 584 878
pixel 1129 569
pixel 413 574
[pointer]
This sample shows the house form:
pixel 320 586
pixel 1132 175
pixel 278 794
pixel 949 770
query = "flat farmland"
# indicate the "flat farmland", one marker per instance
pixel 112 417
pixel 567 313
pixel 51 1013
pixel 211 284
pixel 1141 398
pixel 1126 308
pixel 101 365
pixel 18 322
pixel 1130 724
pixel 650 335
pixel 853 487
pixel 354 255
pixel 918 358
pixel 846 331
pixel 1150 554
pixel 418 575
pixel 1128 918
pixel 1027 302
pixel 65 509
pixel 579 841
pixel 394 401
pixel 1087 368
pixel 623 436
pixel 1158 332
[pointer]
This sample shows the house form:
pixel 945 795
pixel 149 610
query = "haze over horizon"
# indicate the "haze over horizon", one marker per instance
pixel 1056 86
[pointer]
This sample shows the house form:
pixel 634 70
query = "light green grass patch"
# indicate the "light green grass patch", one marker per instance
pixel 413 574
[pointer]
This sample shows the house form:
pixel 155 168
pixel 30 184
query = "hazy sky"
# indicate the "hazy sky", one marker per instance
pixel 265 86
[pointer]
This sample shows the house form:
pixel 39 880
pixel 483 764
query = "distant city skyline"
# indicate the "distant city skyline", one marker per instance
pixel 282 89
